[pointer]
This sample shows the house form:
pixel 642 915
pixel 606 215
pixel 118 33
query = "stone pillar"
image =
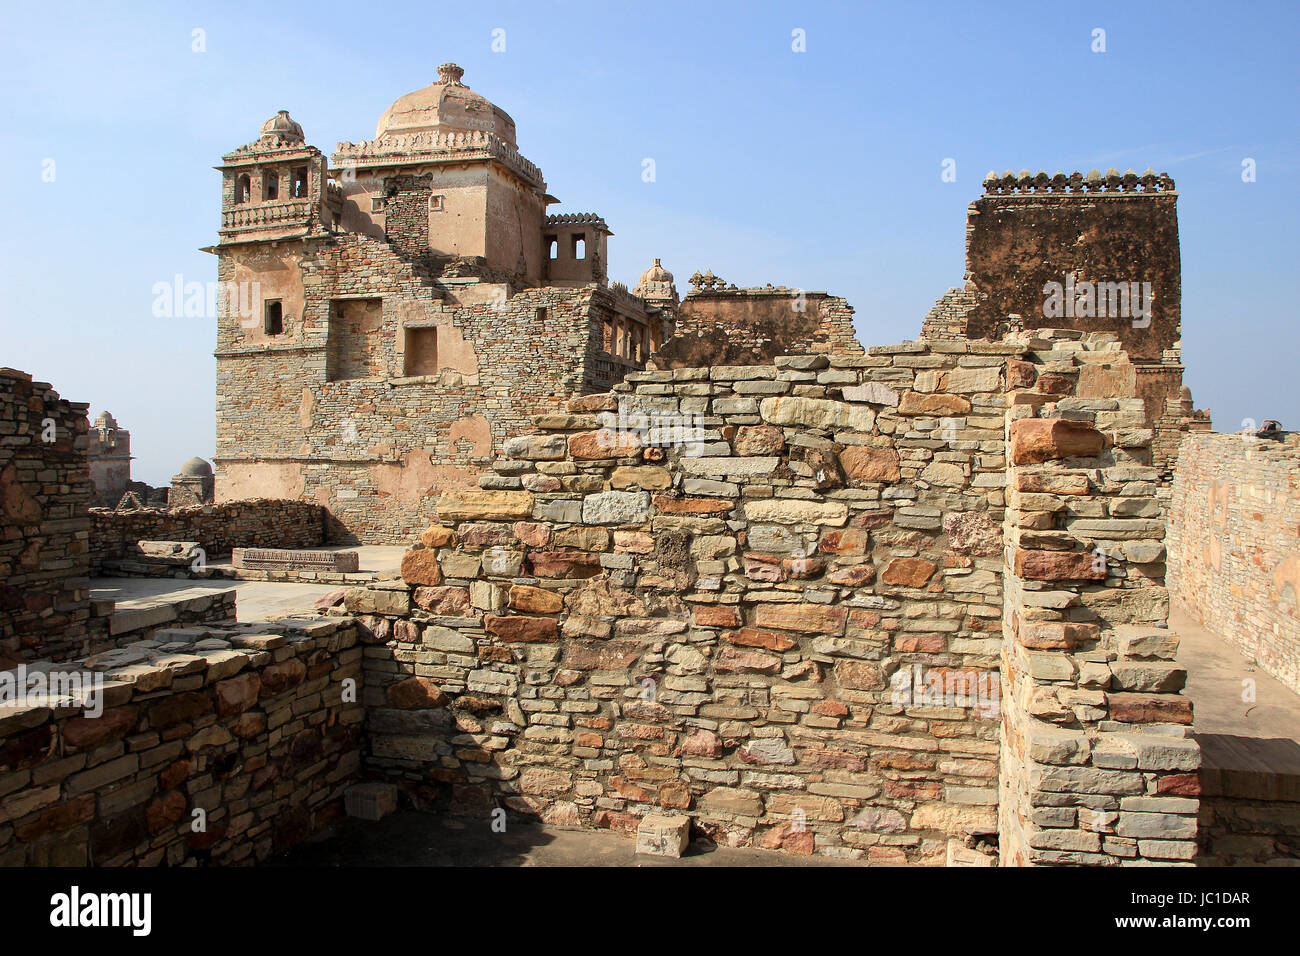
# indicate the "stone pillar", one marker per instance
pixel 1098 764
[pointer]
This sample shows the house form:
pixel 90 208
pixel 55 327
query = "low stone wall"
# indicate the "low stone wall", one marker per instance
pixel 1250 801
pixel 1097 760
pixel 768 596
pixel 255 523
pixel 125 622
pixel 256 728
pixel 44 491
pixel 1235 544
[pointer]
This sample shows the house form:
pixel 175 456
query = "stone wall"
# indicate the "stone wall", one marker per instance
pixel 768 596
pixel 256 523
pixel 1235 544
pixel 44 493
pixel 1098 765
pixel 250 727
pixel 720 325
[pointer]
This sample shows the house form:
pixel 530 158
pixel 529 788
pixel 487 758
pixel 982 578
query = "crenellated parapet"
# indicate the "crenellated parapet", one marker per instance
pixel 1076 183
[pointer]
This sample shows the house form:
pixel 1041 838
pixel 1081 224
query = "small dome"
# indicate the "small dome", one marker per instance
pixel 447 106
pixel 656 283
pixel 105 420
pixel 282 127
pixel 196 468
pixel 656 273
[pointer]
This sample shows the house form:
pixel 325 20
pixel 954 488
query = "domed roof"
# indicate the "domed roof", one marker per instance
pixel 446 106
pixel 105 420
pixel 656 283
pixel 656 273
pixel 282 127
pixel 196 468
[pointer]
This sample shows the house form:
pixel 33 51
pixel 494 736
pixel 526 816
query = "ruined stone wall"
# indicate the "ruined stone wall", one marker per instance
pixel 251 727
pixel 44 493
pixel 377 451
pixel 1097 763
pixel 258 523
pixel 1235 544
pixel 768 596
pixel 752 326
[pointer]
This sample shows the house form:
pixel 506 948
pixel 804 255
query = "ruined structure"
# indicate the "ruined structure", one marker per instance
pixel 193 485
pixel 110 460
pixel 1109 243
pixel 706 557
pixel 403 311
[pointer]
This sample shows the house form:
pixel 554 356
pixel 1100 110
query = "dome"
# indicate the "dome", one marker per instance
pixel 105 421
pixel 656 283
pixel 446 106
pixel 282 127
pixel 656 273
pixel 196 468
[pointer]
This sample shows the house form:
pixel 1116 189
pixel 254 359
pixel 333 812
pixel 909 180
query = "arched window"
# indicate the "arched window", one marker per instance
pixel 243 189
pixel 270 185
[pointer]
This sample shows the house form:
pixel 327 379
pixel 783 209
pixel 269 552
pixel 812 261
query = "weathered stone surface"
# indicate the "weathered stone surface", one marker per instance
pixel 914 403
pixel 647 477
pixel 1059 565
pixel 805 618
pixel 660 835
pixel 602 444
pixel 908 572
pixel 467 505
pixel 758 440
pixel 797 511
pixel 523 629
pixel 616 507
pixel 535 600
pixel 420 567
pixel 817 413
pixel 1036 440
pixel 866 463
pixel 972 532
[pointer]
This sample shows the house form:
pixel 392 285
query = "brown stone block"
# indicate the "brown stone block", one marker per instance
pixel 436 536
pixel 63 816
pixel 602 444
pixel 864 463
pixel 237 694
pixel 754 637
pixel 806 618
pixel 918 403
pixel 1055 635
pixel 716 615
pixel 758 440
pixel 850 541
pixel 1035 440
pixel 415 693
pixel 731 660
pixel 446 601
pixel 172 710
pixel 1150 708
pixel 1058 565
pixel 908 572
pixel 535 600
pixel 564 564
pixel 859 675
pixel 527 630
pixel 85 733
pixel 420 566
pixel 692 506
pixel 532 533
pixel 856 576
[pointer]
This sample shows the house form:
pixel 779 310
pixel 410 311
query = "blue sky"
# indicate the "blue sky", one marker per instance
pixel 818 169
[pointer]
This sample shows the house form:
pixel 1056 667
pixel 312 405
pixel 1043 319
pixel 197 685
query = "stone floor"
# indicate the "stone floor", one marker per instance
pixel 411 838
pixel 256 600
pixel 1215 671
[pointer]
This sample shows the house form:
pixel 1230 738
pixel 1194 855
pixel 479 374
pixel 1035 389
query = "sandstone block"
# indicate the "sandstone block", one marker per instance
pixel 661 835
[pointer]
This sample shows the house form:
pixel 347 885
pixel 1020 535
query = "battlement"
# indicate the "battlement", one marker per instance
pixel 1093 184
